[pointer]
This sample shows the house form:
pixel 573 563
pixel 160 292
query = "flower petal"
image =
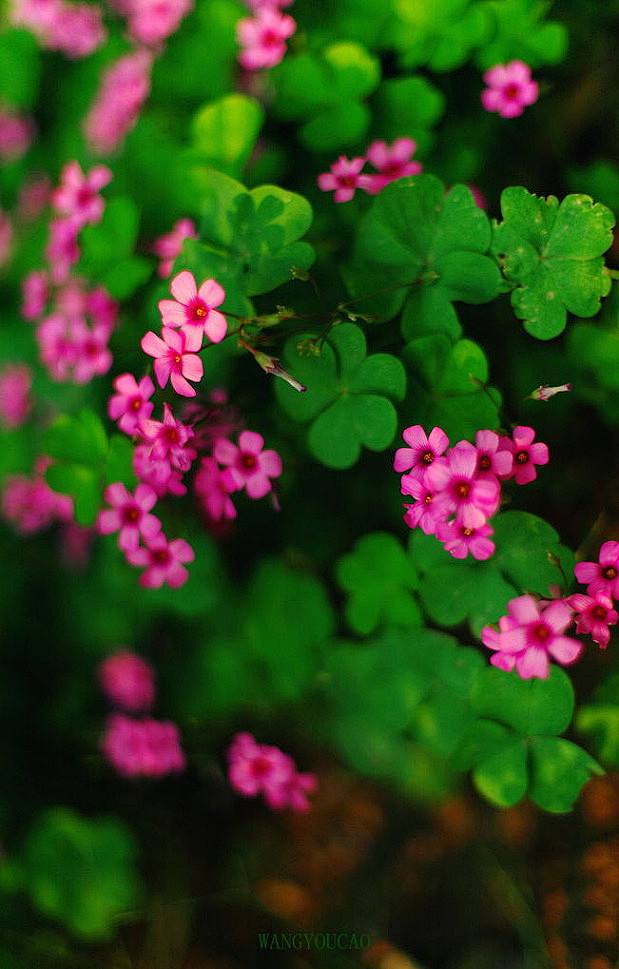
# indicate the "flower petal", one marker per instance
pixel 183 287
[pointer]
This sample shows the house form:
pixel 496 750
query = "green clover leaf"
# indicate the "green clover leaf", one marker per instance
pixel 248 239
pixel 552 254
pixel 418 236
pixel 107 249
pixel 348 397
pixel 379 577
pixel 410 104
pixel 81 871
pixel 599 720
pixel 224 132
pixel 442 35
pixel 519 32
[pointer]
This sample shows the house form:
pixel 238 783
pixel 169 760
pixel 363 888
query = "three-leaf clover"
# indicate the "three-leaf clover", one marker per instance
pixel 348 397
pixel 551 253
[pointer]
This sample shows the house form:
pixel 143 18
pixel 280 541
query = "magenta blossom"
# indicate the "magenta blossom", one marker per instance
pixel 157 472
pixel 35 293
pixel 92 355
pixel 510 89
pixel 421 450
pixel 30 505
pixel 194 310
pixel 128 681
pixel 423 513
pixel 16 135
pixel 129 515
pixel 526 454
pixel 213 487
pixel 391 162
pixel 15 403
pixel 62 250
pixel 263 38
pixel 164 561
pixel 142 748
pixel 601 576
pixel 78 194
pixel 459 541
pixel 594 614
pixel 534 636
pixel 172 361
pixel 250 467
pixel 472 499
pixel 168 439
pixel 169 246
pixel 260 769
pixel 493 457
pixel 152 21
pixel 124 87
pixel 344 178
pixel 130 404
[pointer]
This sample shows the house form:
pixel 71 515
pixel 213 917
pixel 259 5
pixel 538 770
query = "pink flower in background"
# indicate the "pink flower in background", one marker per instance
pixel 129 515
pixel 172 361
pixel 422 450
pixel 131 403
pixel 57 346
pixel 534 636
pixel 478 196
pixel 194 310
pixel 510 89
pixel 263 38
pixel 15 403
pixel 62 251
pixel 33 196
pixel 157 472
pixel 142 748
pixel 16 135
pixel 391 162
pixel 6 238
pixel 124 87
pixel 75 29
pixel 30 505
pixel 169 246
pixel 526 454
pixel 163 561
pixel 344 178
pixel 213 488
pixel 260 769
pixel 594 615
pixel 128 681
pixel 152 21
pixel 168 439
pixel 250 467
pixel 77 196
pixel 92 356
pixel 601 576
pixel 35 294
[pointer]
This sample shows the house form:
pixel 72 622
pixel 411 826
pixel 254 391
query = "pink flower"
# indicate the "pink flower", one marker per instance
pixel 15 384
pixel 6 238
pixel 260 769
pixel 33 196
pixel 391 162
pixel 152 21
pixel 421 450
pixel 62 250
pixel 163 561
pixel 142 748
pixel 168 439
pixel 459 541
pixel 157 472
pixel 250 466
pixel 213 488
pixel 78 197
pixel 534 633
pixel 169 246
pixel 595 615
pixel 344 178
pixel 493 457
pixel 77 30
pixel 124 87
pixel 423 513
pixel 263 38
pixel 194 310
pixel 91 354
pixel 510 89
pixel 128 681
pixel 472 499
pixel 35 293
pixel 30 505
pixel 16 135
pixel 130 404
pixel 129 515
pixel 601 576
pixel 172 361
pixel 526 454
pixel 57 345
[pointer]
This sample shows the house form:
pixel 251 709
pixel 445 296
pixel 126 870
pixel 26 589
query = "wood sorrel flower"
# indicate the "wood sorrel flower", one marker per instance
pixel 172 361
pixel 194 310
pixel 250 467
pixel 510 89
pixel 530 635
pixel 129 514
pixel 128 681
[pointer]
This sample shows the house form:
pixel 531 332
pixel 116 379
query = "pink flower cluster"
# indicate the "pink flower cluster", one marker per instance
pixel 15 403
pixel 136 748
pixel 30 505
pixel 150 22
pixel 259 769
pixel 123 89
pixel 510 89
pixel 16 135
pixel 457 490
pixel 390 161
pixel 76 29
pixel 169 246
pixel 263 37
pixel 532 632
pixel 232 468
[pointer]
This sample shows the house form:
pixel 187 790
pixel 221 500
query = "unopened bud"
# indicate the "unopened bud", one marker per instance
pixel 545 393
pixel 272 365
